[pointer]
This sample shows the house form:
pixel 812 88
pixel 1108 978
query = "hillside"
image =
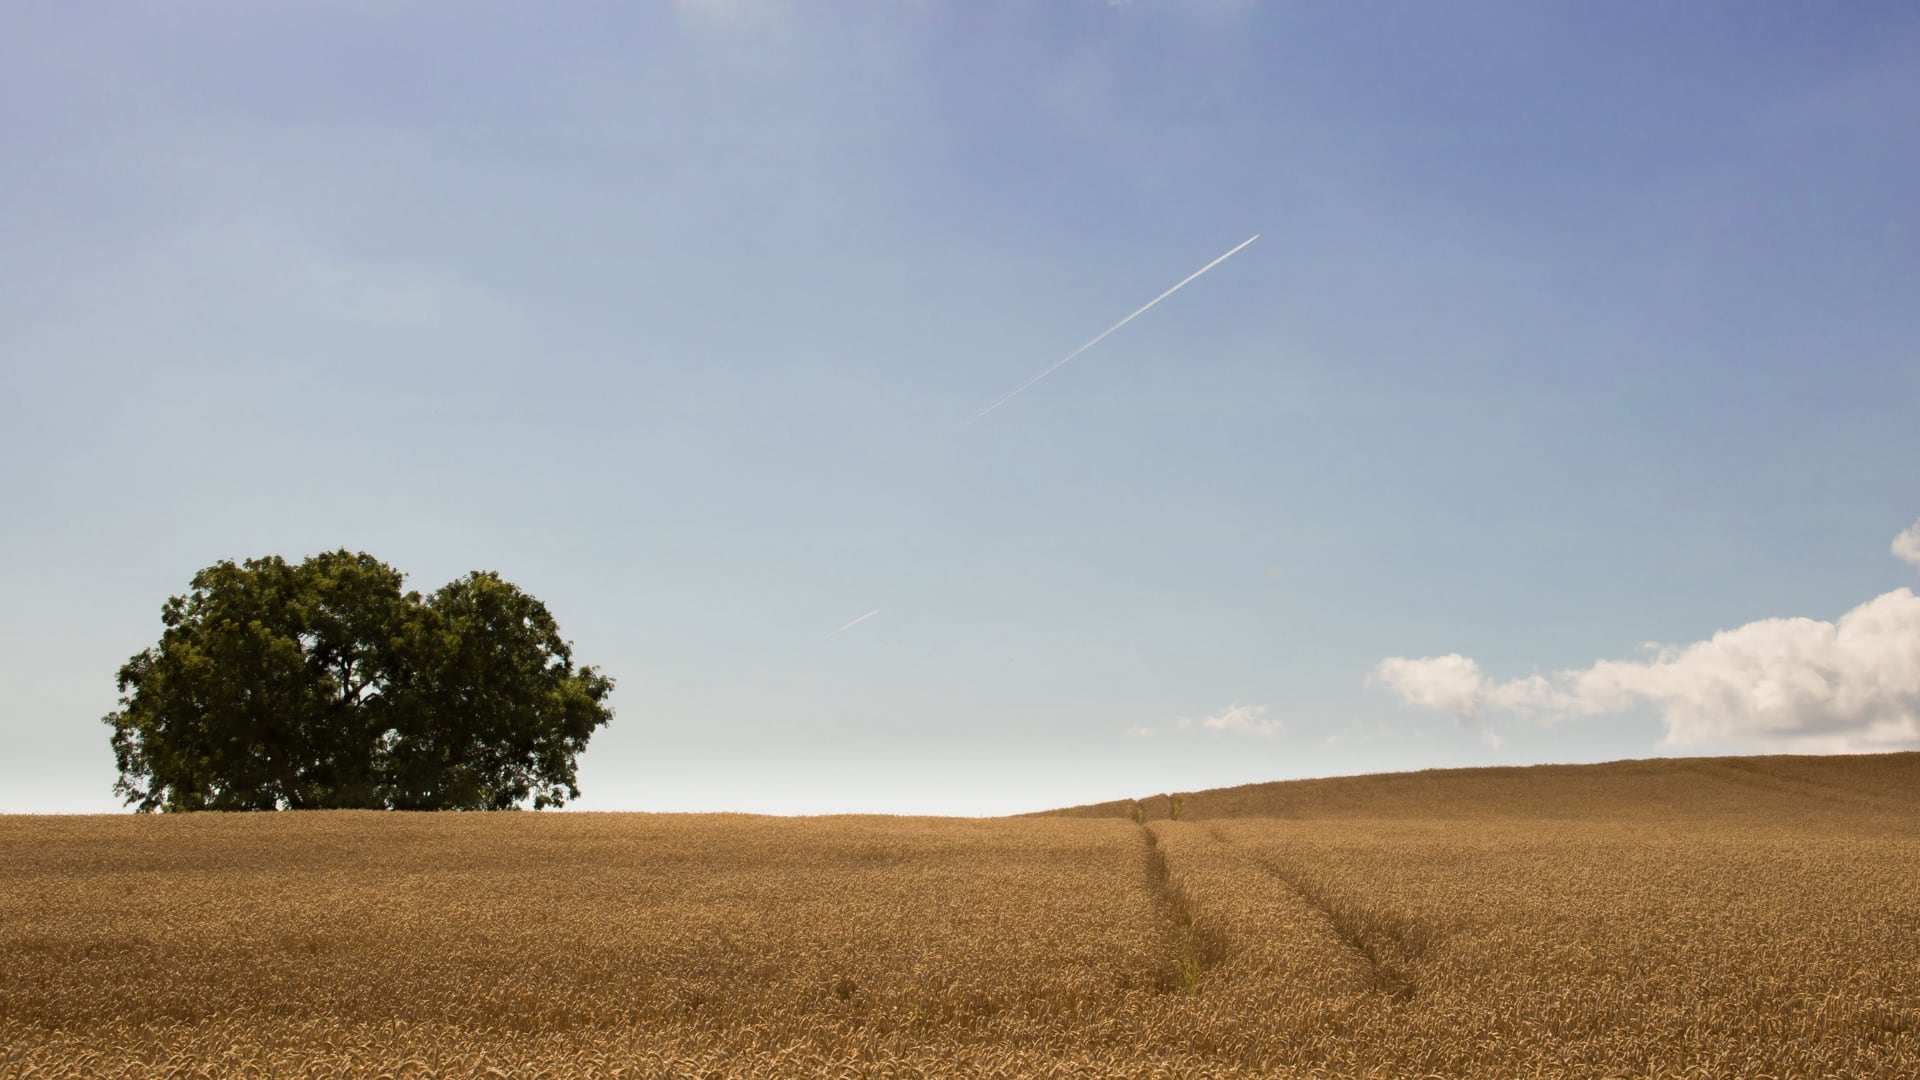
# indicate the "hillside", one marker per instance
pixel 1701 788
pixel 1721 918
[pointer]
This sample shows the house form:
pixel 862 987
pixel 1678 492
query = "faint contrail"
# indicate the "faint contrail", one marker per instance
pixel 1062 362
pixel 856 622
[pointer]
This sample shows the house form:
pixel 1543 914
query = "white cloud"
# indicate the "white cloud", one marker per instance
pixel 1805 685
pixel 1789 684
pixel 1235 719
pixel 1450 683
pixel 1906 546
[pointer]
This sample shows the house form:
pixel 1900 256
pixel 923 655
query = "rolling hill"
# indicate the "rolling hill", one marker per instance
pixel 1698 918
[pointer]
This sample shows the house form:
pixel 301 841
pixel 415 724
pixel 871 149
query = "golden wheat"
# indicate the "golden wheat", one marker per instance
pixel 1758 919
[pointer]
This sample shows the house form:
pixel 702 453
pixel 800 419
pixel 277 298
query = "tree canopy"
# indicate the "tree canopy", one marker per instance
pixel 323 685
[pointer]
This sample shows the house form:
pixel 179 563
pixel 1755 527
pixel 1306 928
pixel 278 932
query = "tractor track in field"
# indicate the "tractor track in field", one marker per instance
pixel 1192 948
pixel 1389 943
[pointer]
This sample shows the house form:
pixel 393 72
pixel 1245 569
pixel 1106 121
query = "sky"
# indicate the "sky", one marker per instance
pixel 1565 409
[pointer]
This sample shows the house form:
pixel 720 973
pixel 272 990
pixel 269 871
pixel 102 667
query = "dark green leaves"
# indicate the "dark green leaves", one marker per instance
pixel 323 685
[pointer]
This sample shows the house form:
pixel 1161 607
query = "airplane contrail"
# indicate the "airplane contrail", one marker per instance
pixel 1062 362
pixel 856 622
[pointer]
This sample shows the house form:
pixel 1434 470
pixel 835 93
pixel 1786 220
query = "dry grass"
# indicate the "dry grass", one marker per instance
pixel 1767 788
pixel 1739 918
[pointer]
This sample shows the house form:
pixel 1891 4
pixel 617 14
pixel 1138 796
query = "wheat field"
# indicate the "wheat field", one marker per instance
pixel 1745 917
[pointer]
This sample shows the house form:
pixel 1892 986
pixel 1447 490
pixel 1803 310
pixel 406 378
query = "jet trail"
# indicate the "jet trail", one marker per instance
pixel 1062 362
pixel 856 622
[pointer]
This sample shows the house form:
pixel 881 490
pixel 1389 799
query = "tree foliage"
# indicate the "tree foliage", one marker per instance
pixel 324 685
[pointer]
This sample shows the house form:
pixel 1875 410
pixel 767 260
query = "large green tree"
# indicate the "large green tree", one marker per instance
pixel 322 684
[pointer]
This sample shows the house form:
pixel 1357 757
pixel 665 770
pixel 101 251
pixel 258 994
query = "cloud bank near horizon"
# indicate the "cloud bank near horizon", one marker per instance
pixel 1794 684
pixel 1234 719
pixel 1906 546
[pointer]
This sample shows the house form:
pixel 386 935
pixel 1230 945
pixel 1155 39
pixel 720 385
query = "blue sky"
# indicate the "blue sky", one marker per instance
pixel 1570 328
